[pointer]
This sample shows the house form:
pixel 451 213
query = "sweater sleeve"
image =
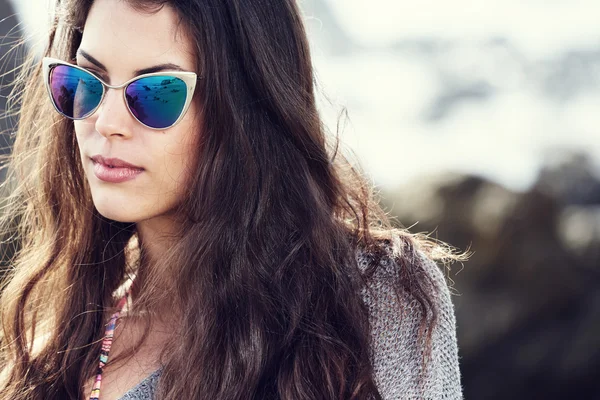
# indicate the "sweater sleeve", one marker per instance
pixel 397 352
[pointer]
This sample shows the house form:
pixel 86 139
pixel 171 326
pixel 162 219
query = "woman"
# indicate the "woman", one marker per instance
pixel 186 231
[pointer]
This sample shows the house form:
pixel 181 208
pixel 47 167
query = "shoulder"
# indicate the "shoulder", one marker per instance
pixel 413 337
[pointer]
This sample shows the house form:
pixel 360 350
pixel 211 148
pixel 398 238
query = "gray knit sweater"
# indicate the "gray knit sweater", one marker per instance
pixel 396 352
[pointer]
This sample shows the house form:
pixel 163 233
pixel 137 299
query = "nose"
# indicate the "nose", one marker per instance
pixel 112 116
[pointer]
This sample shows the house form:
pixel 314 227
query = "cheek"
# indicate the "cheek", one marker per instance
pixel 181 152
pixel 78 130
pixel 80 135
pixel 178 161
pixel 83 130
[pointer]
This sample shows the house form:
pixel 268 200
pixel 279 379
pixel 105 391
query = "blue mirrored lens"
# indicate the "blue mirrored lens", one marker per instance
pixel 75 93
pixel 157 101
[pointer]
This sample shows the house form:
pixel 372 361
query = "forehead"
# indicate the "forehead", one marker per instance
pixel 122 37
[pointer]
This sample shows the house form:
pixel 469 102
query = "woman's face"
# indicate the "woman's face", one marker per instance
pixel 123 41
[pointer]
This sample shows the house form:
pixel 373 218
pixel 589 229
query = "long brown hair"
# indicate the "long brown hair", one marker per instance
pixel 267 280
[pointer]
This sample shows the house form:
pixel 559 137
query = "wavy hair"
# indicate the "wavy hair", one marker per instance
pixel 267 283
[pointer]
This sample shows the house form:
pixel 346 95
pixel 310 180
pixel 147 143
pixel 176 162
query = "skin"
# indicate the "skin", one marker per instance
pixel 125 40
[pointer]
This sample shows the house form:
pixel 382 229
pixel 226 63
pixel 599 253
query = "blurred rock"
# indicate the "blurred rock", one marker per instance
pixel 570 177
pixel 528 303
pixel 579 231
pixel 10 58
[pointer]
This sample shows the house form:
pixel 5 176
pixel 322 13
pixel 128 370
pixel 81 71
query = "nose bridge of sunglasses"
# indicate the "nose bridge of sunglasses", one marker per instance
pixel 111 98
pixel 114 96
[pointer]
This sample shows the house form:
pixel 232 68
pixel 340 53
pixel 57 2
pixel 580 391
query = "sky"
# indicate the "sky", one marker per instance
pixel 486 87
pixel 492 88
pixel 539 27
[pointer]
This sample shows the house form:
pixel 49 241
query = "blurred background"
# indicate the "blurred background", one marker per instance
pixel 479 122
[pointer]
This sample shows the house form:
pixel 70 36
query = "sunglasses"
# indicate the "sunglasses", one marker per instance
pixel 158 100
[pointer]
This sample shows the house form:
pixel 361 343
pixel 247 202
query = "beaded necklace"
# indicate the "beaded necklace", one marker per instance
pixel 106 344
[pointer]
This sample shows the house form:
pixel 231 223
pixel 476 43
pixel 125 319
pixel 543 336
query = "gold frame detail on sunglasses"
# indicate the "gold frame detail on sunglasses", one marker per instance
pixel 189 78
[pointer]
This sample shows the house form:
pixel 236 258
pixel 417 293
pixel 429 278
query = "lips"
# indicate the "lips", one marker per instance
pixel 114 162
pixel 115 175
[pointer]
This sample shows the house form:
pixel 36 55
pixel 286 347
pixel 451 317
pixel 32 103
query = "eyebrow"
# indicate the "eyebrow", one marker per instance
pixel 156 68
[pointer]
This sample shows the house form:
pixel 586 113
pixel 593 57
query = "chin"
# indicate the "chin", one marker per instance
pixel 116 210
pixel 116 205
pixel 119 215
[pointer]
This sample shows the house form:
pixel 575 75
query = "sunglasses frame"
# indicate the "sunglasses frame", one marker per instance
pixel 189 78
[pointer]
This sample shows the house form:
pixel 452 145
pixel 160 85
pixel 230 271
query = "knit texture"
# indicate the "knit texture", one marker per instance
pixel 396 352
